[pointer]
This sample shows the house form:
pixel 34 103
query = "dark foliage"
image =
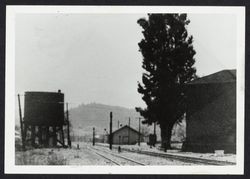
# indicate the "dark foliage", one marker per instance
pixel 168 59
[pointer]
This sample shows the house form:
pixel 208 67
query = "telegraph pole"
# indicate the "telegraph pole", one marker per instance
pixel 154 134
pixel 93 136
pixel 67 113
pixel 110 132
pixel 139 142
pixel 21 122
pixel 129 130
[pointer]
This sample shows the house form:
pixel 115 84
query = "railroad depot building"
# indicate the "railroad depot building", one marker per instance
pixel 211 113
pixel 126 136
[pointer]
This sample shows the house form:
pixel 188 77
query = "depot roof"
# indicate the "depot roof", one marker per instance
pixel 223 76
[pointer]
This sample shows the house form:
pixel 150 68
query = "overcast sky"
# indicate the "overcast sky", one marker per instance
pixel 95 58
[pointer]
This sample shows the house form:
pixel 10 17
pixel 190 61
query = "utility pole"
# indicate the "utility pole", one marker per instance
pixel 129 130
pixel 21 122
pixel 93 136
pixel 139 142
pixel 67 113
pixel 118 124
pixel 154 134
pixel 110 132
pixel 105 134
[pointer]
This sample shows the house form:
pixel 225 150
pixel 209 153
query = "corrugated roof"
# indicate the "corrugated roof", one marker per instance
pixel 223 76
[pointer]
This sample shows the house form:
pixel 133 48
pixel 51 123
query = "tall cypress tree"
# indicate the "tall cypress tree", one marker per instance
pixel 168 59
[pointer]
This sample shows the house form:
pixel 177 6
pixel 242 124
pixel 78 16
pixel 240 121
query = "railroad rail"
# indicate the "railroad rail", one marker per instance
pixel 194 160
pixel 109 159
pixel 117 156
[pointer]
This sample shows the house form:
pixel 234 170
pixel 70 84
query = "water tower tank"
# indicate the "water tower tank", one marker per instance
pixel 44 108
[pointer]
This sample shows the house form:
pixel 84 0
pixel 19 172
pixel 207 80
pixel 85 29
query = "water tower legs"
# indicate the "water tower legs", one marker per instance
pixel 33 136
pixel 40 132
pixel 54 136
pixel 43 136
pixel 62 135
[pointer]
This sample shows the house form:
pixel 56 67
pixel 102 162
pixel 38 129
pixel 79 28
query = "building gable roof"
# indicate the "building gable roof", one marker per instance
pixel 126 126
pixel 223 76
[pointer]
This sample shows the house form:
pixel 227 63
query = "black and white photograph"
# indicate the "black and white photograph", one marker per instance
pixel 125 90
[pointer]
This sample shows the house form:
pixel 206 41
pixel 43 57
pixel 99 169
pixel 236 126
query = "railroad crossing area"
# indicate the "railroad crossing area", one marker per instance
pixel 99 154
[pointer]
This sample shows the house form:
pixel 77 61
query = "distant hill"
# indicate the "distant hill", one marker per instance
pixel 86 116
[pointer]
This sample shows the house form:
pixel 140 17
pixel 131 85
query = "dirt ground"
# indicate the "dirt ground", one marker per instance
pixel 84 156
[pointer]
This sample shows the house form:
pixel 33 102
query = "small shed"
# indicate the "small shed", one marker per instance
pixel 126 135
pixel 211 113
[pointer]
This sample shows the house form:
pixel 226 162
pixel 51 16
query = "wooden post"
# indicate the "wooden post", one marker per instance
pixel 154 134
pixel 47 136
pixel 139 142
pixel 129 130
pixel 93 136
pixel 110 132
pixel 40 135
pixel 54 136
pixel 67 112
pixel 25 133
pixel 33 135
pixel 21 123
pixel 62 135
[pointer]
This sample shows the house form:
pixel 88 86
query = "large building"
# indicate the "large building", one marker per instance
pixel 126 135
pixel 211 113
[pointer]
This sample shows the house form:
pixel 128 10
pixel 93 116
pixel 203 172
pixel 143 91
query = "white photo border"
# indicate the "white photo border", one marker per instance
pixel 9 160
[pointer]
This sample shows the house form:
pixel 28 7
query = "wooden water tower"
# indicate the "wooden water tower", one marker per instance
pixel 44 120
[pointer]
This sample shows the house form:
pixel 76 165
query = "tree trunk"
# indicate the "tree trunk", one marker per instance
pixel 166 132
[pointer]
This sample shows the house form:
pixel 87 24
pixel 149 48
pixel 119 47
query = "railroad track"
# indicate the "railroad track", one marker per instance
pixel 193 160
pixel 122 160
pixel 110 160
